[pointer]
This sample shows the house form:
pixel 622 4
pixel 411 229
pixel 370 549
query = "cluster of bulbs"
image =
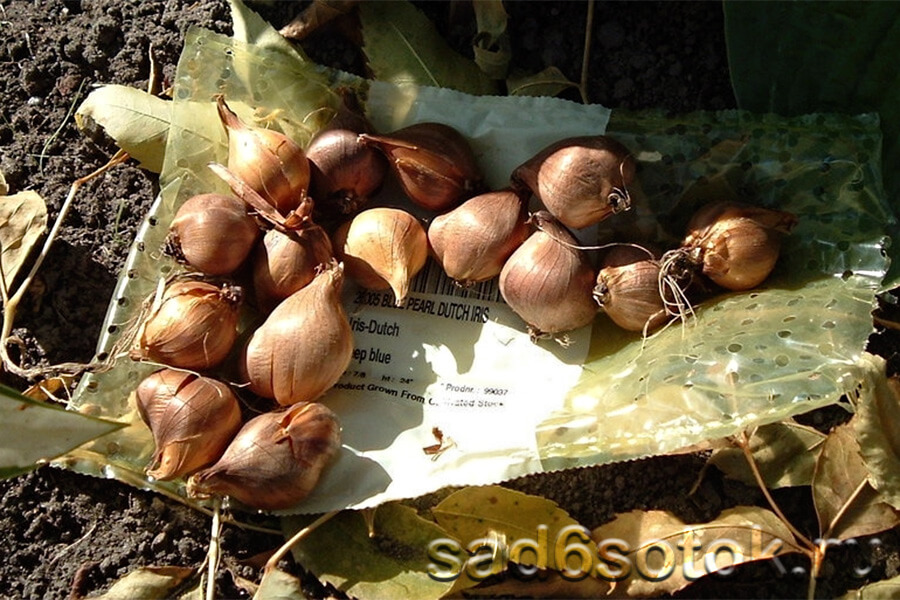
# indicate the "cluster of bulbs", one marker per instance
pixel 295 254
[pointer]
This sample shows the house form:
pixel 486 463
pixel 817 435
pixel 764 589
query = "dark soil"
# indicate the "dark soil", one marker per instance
pixel 68 534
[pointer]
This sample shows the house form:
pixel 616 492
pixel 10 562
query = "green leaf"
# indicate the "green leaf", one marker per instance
pixel 653 552
pixel 878 429
pixel 549 82
pixel 846 504
pixel 136 120
pixel 784 452
pixel 393 563
pixel 278 585
pixel 403 47
pixel 23 219
pixel 479 512
pixel 794 58
pixel 149 583
pixel 32 433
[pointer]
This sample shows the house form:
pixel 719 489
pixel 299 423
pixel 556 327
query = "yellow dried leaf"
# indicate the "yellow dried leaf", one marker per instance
pixel 23 219
pixel 650 553
pixel 846 504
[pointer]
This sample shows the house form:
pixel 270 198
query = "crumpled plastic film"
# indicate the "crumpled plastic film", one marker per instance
pixel 746 358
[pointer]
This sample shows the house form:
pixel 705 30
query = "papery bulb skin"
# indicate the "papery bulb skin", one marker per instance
pixel 268 161
pixel 627 289
pixel 433 162
pixel 193 326
pixel 192 420
pixel 382 248
pixel 548 282
pixel 473 241
pixel 737 245
pixel 345 173
pixel 285 262
pixel 276 459
pixel 304 345
pixel 580 180
pixel 213 233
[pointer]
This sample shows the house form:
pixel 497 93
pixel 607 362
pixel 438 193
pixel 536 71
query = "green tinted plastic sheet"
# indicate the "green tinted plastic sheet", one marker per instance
pixel 744 359
pixel 793 344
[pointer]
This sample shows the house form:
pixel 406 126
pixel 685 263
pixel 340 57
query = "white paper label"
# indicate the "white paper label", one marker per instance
pixel 448 387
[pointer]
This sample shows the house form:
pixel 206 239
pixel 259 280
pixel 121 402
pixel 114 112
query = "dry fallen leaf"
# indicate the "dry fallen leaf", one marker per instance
pixel 547 585
pixel 878 429
pixel 491 43
pixel 278 585
pixel 402 47
pixel 532 527
pixel 136 120
pixel 23 219
pixel 549 82
pixel 315 15
pixel 650 553
pixel 846 504
pixel 148 582
pixel 394 562
pixel 784 452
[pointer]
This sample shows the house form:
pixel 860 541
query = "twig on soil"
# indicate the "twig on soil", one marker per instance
pixel 212 557
pixel 133 479
pixel 272 563
pixel 62 552
pixel 11 302
pixel 813 551
pixel 743 442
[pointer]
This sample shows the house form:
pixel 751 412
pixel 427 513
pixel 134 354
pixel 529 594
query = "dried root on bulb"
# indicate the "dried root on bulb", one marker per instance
pixel 627 289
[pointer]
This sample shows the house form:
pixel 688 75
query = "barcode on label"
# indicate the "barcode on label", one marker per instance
pixel 433 280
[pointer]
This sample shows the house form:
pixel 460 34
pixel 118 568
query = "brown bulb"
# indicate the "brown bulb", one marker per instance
pixel 268 161
pixel 580 180
pixel 193 326
pixel 212 233
pixel 304 345
pixel 627 289
pixel 433 162
pixel 736 245
pixel 287 261
pixel 275 460
pixel 382 248
pixel 345 172
pixel 192 419
pixel 548 282
pixel 473 241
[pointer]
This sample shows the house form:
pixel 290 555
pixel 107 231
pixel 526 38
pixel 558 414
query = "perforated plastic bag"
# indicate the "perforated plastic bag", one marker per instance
pixel 746 358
